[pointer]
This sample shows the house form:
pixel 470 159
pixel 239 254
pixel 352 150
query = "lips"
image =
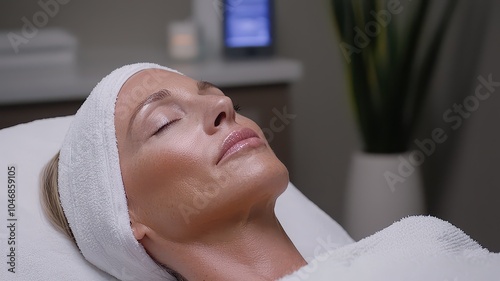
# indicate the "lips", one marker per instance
pixel 238 140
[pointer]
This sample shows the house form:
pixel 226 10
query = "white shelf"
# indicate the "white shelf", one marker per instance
pixel 57 83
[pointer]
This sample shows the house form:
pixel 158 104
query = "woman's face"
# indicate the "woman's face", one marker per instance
pixel 189 162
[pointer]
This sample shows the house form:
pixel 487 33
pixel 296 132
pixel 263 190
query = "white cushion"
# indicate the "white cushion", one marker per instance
pixel 43 253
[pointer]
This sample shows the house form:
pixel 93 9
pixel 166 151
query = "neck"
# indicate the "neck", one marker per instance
pixel 256 249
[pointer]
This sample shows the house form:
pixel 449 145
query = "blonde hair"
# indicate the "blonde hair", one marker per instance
pixel 51 203
pixel 52 207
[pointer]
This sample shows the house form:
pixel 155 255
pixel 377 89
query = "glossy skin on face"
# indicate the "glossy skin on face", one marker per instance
pixel 174 179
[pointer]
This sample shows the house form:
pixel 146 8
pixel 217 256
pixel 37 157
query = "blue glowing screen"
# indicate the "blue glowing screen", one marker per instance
pixel 248 23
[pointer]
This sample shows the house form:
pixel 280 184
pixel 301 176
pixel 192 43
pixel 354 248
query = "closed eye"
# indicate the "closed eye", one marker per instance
pixel 165 126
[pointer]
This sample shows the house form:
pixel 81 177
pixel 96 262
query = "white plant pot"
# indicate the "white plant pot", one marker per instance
pixel 381 189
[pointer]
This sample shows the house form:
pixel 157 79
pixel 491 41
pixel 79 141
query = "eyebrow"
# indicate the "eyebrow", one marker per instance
pixel 158 96
pixel 204 85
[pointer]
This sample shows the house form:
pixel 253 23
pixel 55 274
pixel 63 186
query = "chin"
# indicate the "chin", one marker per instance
pixel 263 173
pixel 252 180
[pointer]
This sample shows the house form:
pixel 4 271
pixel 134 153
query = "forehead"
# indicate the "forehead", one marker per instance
pixel 145 82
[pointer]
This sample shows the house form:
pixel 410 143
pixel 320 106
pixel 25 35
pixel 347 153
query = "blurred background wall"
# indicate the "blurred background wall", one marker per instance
pixel 461 176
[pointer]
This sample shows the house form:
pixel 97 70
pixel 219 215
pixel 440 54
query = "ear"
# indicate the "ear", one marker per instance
pixel 138 229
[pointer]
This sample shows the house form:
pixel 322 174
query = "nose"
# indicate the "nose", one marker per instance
pixel 219 111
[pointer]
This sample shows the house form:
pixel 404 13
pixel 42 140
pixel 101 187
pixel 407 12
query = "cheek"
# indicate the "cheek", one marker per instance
pixel 161 177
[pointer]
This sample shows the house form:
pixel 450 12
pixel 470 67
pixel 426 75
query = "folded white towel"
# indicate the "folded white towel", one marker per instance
pixel 415 248
pixel 91 187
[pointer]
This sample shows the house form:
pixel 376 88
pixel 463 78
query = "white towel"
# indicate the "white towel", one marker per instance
pixel 91 187
pixel 415 248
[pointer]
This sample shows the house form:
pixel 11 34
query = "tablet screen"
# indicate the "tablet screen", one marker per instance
pixel 247 23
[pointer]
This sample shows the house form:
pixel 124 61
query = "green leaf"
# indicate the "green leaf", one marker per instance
pixel 427 70
pixel 387 86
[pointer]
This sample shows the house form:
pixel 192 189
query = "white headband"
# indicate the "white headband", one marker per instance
pixel 91 187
